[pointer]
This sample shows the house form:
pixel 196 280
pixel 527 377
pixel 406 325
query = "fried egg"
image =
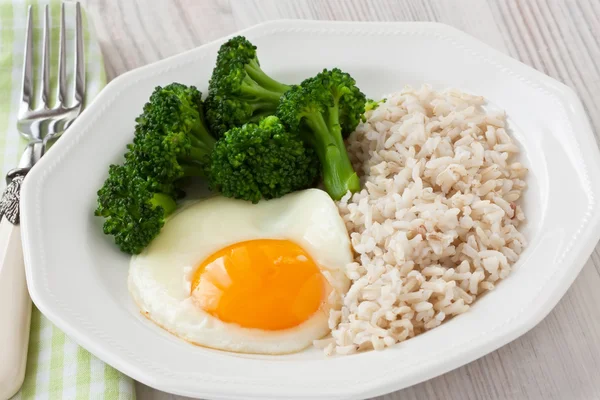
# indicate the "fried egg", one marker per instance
pixel 249 278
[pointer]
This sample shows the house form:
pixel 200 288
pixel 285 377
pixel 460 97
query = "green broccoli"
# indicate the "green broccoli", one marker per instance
pixel 133 213
pixel 261 161
pixel 239 90
pixel 371 105
pixel 170 143
pixel 171 139
pixel 324 110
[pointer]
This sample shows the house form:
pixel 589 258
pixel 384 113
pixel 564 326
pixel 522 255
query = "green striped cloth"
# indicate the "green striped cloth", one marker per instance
pixel 57 368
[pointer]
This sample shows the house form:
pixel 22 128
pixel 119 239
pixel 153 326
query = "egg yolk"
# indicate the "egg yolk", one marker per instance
pixel 265 284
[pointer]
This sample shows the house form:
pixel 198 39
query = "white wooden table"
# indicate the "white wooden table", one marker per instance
pixel 558 359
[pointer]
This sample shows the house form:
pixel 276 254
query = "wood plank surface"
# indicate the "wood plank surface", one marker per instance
pixel 560 358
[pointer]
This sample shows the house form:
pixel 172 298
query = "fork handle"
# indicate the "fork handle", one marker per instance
pixel 15 310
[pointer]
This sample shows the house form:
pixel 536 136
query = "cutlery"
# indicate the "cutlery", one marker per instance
pixel 40 126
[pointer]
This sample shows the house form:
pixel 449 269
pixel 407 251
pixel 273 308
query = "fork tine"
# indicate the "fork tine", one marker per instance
pixel 62 60
pixel 45 60
pixel 27 84
pixel 79 58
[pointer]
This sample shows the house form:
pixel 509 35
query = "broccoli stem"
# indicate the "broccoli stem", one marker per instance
pixel 199 132
pixel 338 173
pixel 197 153
pixel 195 162
pixel 165 201
pixel 334 123
pixel 250 87
pixel 201 147
pixel 255 72
pixel 261 106
pixel 197 128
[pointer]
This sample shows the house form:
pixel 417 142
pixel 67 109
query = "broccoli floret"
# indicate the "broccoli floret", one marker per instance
pixel 239 90
pixel 373 104
pixel 171 142
pixel 171 139
pixel 261 161
pixel 133 213
pixel 324 110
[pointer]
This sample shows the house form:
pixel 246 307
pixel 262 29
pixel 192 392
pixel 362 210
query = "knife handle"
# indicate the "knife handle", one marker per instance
pixel 15 310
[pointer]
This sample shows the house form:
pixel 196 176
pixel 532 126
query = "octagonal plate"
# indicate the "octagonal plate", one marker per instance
pixel 78 278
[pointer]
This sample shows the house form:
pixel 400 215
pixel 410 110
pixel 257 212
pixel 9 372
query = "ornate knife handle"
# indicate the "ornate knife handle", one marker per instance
pixel 9 202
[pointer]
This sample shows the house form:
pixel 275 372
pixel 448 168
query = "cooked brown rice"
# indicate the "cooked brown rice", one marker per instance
pixel 436 223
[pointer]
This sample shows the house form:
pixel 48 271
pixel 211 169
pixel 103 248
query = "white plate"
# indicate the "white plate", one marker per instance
pixel 78 278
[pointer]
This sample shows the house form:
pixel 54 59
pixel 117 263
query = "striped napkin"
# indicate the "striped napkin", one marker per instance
pixel 57 368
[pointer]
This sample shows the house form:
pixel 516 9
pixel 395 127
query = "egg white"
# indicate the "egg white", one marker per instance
pixel 160 277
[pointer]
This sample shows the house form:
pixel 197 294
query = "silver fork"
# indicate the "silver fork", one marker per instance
pixel 39 126
pixel 44 121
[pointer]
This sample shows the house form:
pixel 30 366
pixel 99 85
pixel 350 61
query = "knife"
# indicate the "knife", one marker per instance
pixel 15 303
